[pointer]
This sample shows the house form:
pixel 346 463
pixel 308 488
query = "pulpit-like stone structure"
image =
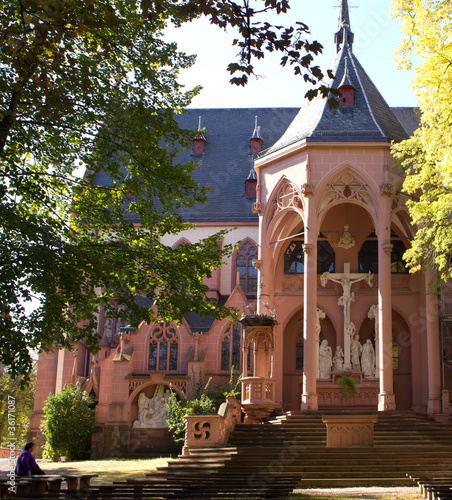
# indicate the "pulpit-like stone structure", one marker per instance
pixel 258 390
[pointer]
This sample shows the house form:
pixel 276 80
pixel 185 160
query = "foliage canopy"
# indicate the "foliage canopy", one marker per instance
pixel 426 157
pixel 92 84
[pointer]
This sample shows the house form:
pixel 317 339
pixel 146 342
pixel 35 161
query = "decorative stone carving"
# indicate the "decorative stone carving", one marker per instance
pixel 347 187
pixel 338 360
pixel 386 188
pixel 320 315
pixel 387 248
pixel 257 263
pixel 326 359
pixel 307 189
pixel 108 329
pixel 373 314
pixel 346 240
pixel 349 430
pixel 356 350
pixel 257 208
pixel 153 412
pixel 347 279
pixel 368 359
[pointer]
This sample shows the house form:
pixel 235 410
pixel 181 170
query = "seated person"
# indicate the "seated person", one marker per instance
pixel 26 464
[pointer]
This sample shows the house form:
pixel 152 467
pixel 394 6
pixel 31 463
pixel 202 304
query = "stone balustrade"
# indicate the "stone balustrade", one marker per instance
pixel 211 430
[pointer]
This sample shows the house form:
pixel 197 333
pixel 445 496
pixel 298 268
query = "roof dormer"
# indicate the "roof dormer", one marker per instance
pixel 251 184
pixel 256 139
pixel 199 141
pixel 347 98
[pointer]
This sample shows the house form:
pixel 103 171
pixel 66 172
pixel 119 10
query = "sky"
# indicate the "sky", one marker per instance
pixel 377 36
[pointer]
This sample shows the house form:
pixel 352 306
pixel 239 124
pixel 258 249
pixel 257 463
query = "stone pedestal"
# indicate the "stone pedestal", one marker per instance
pixel 344 431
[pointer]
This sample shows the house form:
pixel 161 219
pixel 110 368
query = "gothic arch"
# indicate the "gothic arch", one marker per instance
pixel 347 183
pixel 179 242
pixel 286 196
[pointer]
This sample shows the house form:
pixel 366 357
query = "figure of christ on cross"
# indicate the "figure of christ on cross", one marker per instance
pixel 347 279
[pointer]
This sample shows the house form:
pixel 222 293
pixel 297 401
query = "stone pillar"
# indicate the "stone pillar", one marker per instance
pixel 309 396
pixel 386 398
pixel 433 350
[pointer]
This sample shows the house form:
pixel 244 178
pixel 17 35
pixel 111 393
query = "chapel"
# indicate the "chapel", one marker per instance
pixel 317 211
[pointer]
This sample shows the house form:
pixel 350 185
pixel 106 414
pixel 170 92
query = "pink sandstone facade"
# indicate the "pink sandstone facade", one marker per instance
pixel 321 204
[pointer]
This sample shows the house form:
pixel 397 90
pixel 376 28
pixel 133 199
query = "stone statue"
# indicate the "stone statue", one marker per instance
pixel 373 314
pixel 153 412
pixel 326 359
pixel 355 353
pixel 346 240
pixel 347 279
pixel 108 329
pixel 368 359
pixel 338 360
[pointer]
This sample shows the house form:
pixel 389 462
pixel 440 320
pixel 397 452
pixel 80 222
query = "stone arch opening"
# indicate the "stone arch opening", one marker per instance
pixel 293 352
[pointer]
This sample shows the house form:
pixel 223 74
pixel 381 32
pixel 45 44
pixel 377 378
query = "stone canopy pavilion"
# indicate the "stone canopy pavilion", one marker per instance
pixel 321 223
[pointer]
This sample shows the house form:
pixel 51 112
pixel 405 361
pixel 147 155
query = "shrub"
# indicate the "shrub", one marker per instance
pixel 68 424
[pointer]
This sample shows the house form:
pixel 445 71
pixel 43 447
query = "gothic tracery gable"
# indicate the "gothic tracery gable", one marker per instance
pixel 347 187
pixel 285 196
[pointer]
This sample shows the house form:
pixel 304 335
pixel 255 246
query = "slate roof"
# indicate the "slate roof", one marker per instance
pixel 227 162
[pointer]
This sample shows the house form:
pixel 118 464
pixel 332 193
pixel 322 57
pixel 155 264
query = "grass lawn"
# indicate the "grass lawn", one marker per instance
pixel 117 469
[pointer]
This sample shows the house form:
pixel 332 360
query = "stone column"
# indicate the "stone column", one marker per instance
pixel 433 350
pixel 386 398
pixel 309 396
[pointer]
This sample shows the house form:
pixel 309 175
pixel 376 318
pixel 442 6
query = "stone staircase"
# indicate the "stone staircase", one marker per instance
pixel 271 460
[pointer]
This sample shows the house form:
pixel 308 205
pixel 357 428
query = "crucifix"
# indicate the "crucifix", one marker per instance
pixel 347 279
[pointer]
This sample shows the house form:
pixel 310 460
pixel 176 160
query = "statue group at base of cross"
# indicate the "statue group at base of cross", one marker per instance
pixel 354 356
pixel 362 356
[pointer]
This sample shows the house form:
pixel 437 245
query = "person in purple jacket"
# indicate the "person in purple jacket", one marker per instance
pixel 26 464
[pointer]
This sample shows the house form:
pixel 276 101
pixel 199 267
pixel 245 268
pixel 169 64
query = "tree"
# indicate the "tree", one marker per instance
pixel 426 157
pixel 92 84
pixel 16 406
pixel 68 423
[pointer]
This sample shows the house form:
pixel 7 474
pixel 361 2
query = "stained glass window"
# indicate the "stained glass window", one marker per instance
pixel 163 349
pixel 231 347
pixel 245 255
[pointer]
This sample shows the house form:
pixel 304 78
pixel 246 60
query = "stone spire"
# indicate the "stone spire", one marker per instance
pixel 343 26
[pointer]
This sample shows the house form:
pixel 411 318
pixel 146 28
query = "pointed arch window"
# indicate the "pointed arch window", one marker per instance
pixel 231 347
pixel 163 349
pixel 244 257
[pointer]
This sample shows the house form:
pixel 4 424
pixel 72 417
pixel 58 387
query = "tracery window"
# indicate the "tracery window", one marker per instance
pixel 163 348
pixel 244 257
pixel 231 348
